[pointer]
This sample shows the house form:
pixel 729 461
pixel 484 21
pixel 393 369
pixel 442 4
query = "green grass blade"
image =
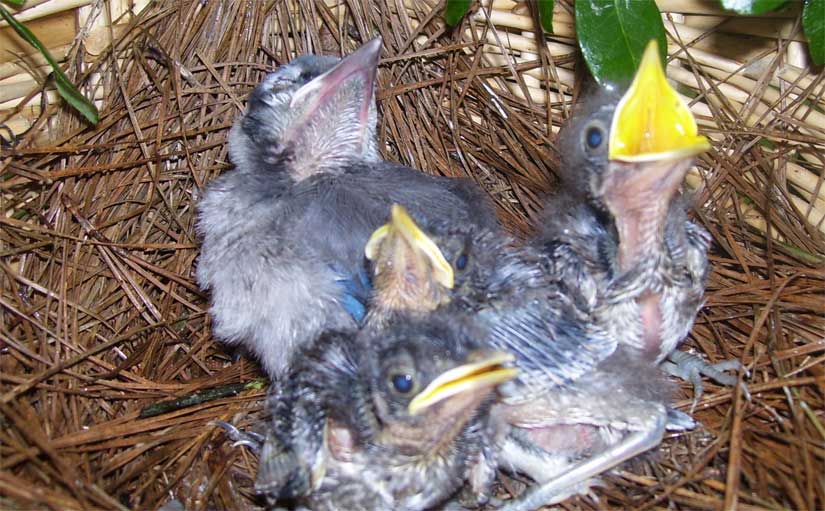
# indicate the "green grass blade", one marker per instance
pixel 64 86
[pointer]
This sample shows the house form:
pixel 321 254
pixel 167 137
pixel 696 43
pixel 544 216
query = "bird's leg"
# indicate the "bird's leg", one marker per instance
pixel 557 489
pixel 252 440
pixel 690 367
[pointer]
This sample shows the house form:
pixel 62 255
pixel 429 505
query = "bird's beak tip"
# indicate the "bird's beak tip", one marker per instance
pixel 377 237
pixel 401 224
pixel 478 376
pixel 652 122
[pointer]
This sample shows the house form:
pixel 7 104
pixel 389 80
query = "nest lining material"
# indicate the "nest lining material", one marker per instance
pixel 101 315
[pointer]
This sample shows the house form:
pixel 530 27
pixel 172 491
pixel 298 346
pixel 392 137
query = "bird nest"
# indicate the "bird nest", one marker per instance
pixel 101 315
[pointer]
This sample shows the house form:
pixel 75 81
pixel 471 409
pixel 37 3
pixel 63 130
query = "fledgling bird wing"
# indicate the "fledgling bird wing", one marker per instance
pixel 294 458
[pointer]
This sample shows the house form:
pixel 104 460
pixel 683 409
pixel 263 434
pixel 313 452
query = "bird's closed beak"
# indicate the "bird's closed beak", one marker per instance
pixel 402 249
pixel 476 377
pixel 651 120
pixel 653 139
pixel 356 74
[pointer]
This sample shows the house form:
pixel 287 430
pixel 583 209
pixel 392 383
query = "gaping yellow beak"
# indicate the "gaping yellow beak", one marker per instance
pixel 475 376
pixel 403 228
pixel 651 121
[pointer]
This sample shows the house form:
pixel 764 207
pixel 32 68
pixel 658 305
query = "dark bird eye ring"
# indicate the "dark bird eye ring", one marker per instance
pixel 402 383
pixel 461 262
pixel 594 136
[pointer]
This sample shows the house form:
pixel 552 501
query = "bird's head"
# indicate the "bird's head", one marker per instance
pixel 631 154
pixel 429 377
pixel 316 112
pixel 583 141
pixel 418 269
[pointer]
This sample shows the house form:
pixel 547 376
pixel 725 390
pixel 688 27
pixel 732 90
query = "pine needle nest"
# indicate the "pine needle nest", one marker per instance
pixel 101 316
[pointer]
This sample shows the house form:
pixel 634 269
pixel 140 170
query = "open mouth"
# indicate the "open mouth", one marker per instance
pixel 402 237
pixel 651 120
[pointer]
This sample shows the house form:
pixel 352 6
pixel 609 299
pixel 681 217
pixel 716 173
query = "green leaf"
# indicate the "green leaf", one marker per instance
pixel 748 7
pixel 64 87
pixel 613 35
pixel 456 9
pixel 16 3
pixel 813 21
pixel 546 14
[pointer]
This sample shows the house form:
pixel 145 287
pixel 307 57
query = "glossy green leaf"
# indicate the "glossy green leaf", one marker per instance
pixel 16 3
pixel 456 9
pixel 752 6
pixel 64 86
pixel 546 14
pixel 813 21
pixel 613 35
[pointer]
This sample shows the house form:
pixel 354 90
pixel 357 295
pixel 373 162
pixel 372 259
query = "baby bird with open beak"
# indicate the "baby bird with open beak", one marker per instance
pixel 618 231
pixel 283 233
pixel 395 419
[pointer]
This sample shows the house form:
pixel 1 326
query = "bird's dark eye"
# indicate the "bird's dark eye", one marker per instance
pixel 461 262
pixel 594 137
pixel 402 383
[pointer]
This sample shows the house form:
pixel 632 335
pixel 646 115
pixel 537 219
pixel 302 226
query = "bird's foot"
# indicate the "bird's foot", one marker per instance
pixel 679 421
pixel 691 367
pixel 253 441
pixel 468 499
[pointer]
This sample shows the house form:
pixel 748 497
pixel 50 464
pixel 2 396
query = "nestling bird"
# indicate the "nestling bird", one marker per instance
pixel 618 230
pixel 624 244
pixel 283 233
pixel 393 419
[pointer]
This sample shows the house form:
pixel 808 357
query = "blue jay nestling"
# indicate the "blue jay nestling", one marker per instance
pixel 400 425
pixel 618 230
pixel 283 233
pixel 620 240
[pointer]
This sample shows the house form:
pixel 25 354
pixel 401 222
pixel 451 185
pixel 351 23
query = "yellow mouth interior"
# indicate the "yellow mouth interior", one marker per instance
pixel 476 375
pixel 651 121
pixel 405 227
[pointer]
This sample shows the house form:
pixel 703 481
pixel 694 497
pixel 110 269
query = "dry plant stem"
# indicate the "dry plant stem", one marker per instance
pixel 202 396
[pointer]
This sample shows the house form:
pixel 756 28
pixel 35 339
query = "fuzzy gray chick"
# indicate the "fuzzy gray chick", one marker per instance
pixel 618 230
pixel 581 404
pixel 283 233
pixel 395 419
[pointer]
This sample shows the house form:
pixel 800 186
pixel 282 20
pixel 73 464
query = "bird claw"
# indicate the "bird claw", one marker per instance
pixel 691 367
pixel 253 441
pixel 679 421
